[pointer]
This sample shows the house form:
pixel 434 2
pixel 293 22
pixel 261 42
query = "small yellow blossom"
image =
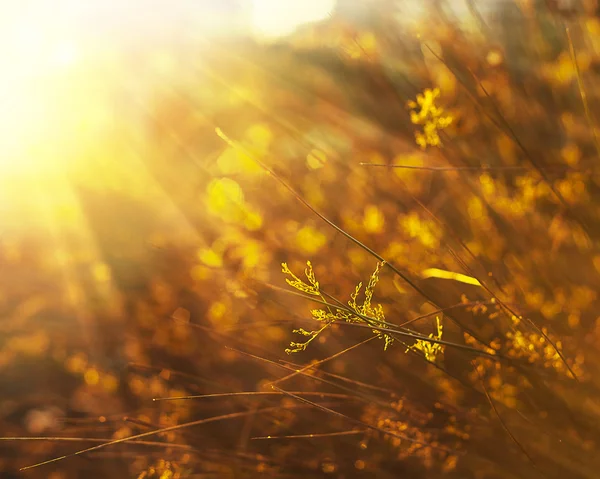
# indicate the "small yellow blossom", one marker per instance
pixel 429 349
pixel 373 221
pixel 424 112
pixel 310 240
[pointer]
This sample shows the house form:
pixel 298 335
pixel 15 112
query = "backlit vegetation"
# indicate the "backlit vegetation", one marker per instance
pixel 408 209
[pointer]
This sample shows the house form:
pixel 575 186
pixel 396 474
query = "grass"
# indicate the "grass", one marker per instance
pixel 452 163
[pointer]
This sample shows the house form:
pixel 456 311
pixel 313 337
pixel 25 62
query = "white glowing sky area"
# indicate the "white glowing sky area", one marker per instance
pixel 42 43
pixel 33 50
pixel 281 17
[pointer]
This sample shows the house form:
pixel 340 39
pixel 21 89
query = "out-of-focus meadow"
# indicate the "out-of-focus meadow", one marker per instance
pixel 191 190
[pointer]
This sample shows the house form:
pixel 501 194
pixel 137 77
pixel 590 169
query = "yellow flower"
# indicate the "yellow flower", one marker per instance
pixel 425 112
pixel 210 258
pixel 316 159
pixel 310 240
pixel 374 221
pixel 430 349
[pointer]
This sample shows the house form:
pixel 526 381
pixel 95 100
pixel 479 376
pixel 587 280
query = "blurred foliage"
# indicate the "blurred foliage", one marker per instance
pixel 151 268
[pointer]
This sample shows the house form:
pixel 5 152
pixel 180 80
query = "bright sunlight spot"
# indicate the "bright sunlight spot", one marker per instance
pixel 48 54
pixel 34 52
pixel 274 18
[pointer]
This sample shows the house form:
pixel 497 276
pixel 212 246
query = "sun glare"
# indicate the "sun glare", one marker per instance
pixel 33 53
pixel 43 52
pixel 276 18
